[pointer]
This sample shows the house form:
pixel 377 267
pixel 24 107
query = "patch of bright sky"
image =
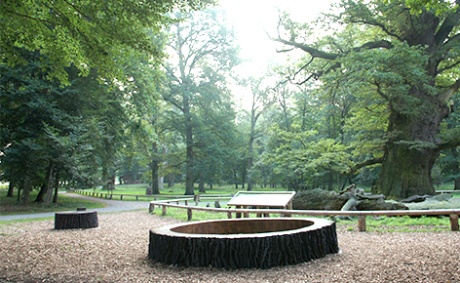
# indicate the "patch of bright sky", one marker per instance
pixel 252 20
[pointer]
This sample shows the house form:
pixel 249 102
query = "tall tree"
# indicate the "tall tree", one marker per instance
pixel 407 60
pixel 262 97
pixel 202 52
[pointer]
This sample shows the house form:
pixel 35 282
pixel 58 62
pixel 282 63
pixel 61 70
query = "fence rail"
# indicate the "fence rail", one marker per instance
pixel 108 195
pixel 453 214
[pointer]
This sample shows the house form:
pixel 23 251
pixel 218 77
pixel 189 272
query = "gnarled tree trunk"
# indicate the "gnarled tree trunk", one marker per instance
pixel 412 147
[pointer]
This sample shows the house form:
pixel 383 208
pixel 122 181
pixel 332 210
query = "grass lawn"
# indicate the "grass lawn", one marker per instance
pixel 10 206
pixel 373 224
pixel 179 189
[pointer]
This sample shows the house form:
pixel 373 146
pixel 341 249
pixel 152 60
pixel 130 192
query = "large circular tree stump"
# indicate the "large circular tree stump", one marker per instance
pixel 80 219
pixel 243 243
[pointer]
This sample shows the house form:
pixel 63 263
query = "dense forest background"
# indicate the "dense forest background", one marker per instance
pixel 96 93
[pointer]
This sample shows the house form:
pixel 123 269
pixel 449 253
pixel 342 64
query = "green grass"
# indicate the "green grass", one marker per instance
pixel 445 186
pixel 9 206
pixel 400 224
pixel 179 189
pixel 25 220
pixel 373 224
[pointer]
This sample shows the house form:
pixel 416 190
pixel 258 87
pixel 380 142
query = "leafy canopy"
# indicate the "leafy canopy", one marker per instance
pixel 85 33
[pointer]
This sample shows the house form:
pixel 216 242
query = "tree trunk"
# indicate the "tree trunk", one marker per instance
pixel 411 150
pixel 189 180
pixel 171 179
pixel 10 193
pixel 155 166
pixel 56 186
pixel 201 185
pixel 250 163
pixel 26 188
pixel 46 185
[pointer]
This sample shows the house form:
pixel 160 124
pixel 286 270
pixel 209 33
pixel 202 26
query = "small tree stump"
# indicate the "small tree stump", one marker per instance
pixel 80 219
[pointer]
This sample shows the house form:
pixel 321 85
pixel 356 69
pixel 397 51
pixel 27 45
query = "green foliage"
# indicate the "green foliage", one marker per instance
pixel 87 34
pixel 199 110
pixel 439 6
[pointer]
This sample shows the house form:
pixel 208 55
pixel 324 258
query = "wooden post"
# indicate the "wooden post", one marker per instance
pixel 229 215
pixel 163 210
pixel 453 222
pixel 137 198
pixel 189 214
pixel 151 207
pixel 121 197
pixel 238 214
pixel 186 202
pixel 362 223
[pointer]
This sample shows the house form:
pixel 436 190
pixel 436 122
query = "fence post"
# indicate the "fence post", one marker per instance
pixel 189 214
pixel 362 223
pixel 453 222
pixel 163 210
pixel 229 215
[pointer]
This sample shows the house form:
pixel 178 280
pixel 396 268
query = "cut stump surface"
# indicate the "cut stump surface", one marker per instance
pixel 244 243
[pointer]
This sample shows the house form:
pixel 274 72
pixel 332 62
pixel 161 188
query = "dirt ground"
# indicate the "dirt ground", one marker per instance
pixel 116 251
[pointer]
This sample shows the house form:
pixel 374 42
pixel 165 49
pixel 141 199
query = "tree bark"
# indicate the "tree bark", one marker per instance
pixel 263 248
pixel 189 178
pixel 56 186
pixel 76 220
pixel 155 165
pixel 201 188
pixel 250 159
pixel 10 193
pixel 26 188
pixel 412 148
pixel 46 185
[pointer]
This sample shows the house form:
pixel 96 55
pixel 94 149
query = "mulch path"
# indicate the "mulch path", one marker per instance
pixel 116 251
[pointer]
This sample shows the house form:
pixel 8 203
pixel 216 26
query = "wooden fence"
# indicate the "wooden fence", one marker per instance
pixel 108 195
pixel 453 214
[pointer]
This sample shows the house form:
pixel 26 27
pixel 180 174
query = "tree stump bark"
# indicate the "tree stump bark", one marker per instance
pixel 80 219
pixel 244 243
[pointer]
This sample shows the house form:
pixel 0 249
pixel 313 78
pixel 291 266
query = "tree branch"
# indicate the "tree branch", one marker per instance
pixel 380 25
pixel 444 96
pixel 447 26
pixel 369 162
pixel 315 53
pixel 449 67
pixel 452 142
pixel 374 44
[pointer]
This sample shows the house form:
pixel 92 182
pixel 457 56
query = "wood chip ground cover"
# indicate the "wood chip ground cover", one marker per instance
pixel 117 252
